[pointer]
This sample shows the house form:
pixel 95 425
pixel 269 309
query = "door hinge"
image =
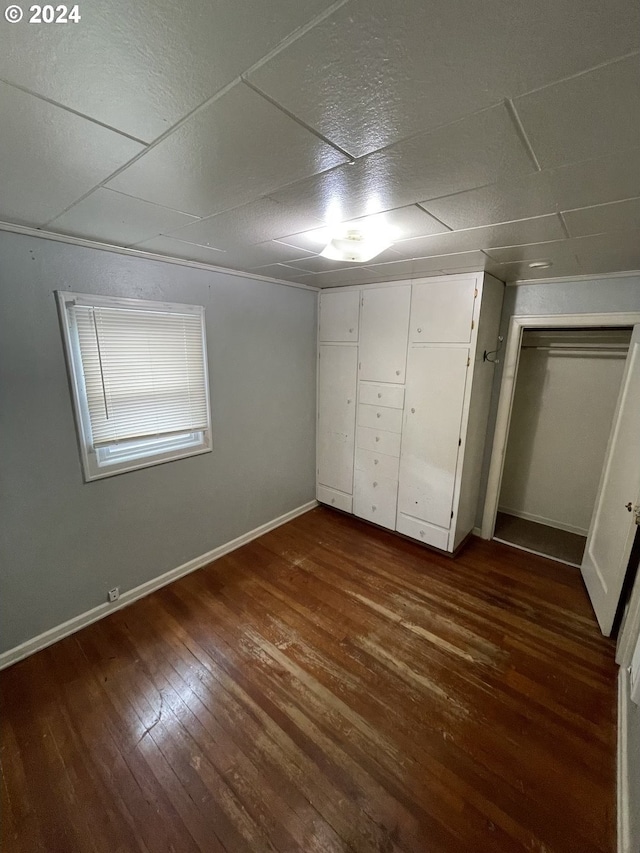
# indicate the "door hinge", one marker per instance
pixel 459 442
pixel 468 360
pixel 473 324
pixel 475 293
pixel 451 513
pixel 635 510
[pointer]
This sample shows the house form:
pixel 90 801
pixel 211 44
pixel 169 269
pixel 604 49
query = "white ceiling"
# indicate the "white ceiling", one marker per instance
pixel 491 134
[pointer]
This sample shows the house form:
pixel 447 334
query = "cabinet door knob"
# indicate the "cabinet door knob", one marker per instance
pixel 348 401
pixel 350 330
pixel 379 395
pixel 413 411
pixel 397 373
pixel 373 509
pixel 374 484
pixel 333 500
pixel 377 438
pixel 375 461
pixel 378 415
pixel 422 533
pixel 419 331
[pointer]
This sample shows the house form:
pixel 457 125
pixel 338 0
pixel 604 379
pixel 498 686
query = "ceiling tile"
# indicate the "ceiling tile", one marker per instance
pixel 273 252
pixel 141 66
pixel 281 271
pixel 620 216
pixel 255 222
pixel 115 218
pixel 337 278
pixel 536 230
pixel 426 266
pixel 588 116
pixel 479 150
pixel 567 265
pixel 177 249
pixel 233 151
pixel 593 181
pixel 375 72
pixel 555 251
pixel 608 252
pixel 51 157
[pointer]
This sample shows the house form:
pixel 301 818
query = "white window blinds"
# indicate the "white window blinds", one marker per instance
pixel 144 371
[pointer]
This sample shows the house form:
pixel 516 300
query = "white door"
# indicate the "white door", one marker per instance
pixel 612 529
pixel 339 314
pixel 337 416
pixel 383 333
pixel 436 379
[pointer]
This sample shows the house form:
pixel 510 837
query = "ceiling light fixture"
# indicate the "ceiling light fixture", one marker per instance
pixel 356 246
pixel 540 265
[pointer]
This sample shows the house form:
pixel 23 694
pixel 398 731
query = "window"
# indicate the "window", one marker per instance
pixel 139 382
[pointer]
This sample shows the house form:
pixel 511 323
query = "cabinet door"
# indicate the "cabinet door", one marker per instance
pixel 383 333
pixel 339 314
pixel 436 378
pixel 441 312
pixel 337 416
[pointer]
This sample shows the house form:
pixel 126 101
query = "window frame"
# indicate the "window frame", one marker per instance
pixel 95 462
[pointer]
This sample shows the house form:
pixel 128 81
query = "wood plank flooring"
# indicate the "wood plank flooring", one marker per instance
pixel 327 687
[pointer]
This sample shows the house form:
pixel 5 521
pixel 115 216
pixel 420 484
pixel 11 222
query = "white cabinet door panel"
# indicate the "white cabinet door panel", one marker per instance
pixel 379 441
pixel 441 312
pixel 339 314
pixel 382 395
pixel 337 415
pixel 378 464
pixel 434 401
pixel 375 498
pixel 378 417
pixel 383 333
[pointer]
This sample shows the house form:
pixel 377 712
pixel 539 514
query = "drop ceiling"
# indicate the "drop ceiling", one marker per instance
pixel 493 134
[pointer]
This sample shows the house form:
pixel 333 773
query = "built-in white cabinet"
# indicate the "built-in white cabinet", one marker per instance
pixel 408 453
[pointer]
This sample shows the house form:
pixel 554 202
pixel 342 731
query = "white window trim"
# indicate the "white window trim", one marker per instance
pixel 95 463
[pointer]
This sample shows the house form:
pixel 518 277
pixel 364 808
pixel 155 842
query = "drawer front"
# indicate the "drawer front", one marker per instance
pixel 331 497
pixel 378 417
pixel 382 395
pixel 377 464
pixel 437 537
pixel 379 441
pixel 375 499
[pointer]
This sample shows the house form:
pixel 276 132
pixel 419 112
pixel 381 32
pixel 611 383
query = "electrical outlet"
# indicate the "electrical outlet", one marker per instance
pixel 114 594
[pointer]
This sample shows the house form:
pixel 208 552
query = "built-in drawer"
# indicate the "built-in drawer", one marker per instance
pixel 378 440
pixel 378 464
pixel 374 394
pixel 331 497
pixel 375 499
pixel 379 417
pixel 438 537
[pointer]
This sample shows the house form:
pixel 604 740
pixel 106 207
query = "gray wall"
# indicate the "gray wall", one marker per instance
pixel 596 296
pixel 64 543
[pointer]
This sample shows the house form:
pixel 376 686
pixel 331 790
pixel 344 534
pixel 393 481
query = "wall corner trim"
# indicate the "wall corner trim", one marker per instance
pixel 623 805
pixel 47 638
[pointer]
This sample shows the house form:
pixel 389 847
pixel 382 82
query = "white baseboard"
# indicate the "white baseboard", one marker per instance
pixel 83 619
pixel 540 519
pixel 624 836
pixel 477 531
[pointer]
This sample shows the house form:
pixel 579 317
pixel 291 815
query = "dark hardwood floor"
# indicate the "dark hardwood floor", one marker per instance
pixel 328 687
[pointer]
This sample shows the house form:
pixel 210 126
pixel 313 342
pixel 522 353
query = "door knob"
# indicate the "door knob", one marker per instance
pixel 629 506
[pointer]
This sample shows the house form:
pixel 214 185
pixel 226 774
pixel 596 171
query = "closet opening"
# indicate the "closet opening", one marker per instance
pixel 566 390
